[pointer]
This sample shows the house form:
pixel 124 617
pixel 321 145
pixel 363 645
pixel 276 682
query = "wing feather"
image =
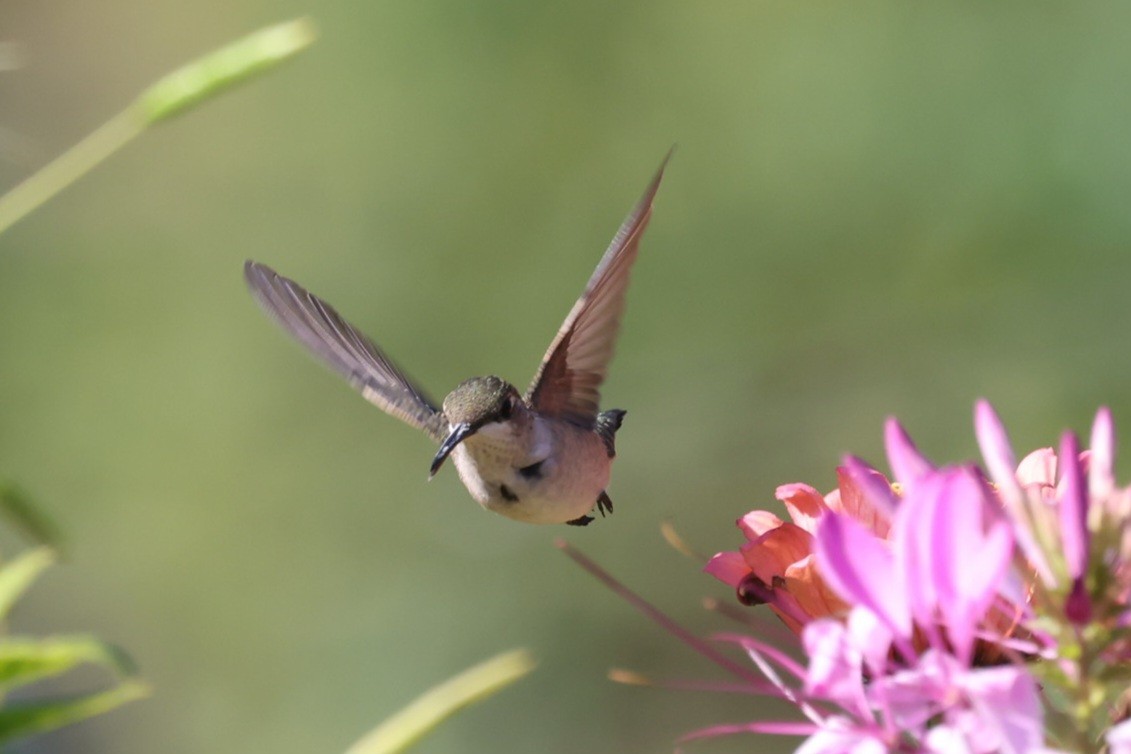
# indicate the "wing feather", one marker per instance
pixel 315 324
pixel 568 381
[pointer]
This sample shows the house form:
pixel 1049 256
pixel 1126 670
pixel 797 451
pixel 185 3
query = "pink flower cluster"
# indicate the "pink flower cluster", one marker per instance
pixel 953 610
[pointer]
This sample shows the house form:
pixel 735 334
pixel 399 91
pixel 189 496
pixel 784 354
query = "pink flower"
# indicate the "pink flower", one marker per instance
pixel 947 611
pixel 924 577
pixel 1119 738
pixel 942 586
pixel 775 566
pixel 934 704
pixel 1075 530
pixel 921 598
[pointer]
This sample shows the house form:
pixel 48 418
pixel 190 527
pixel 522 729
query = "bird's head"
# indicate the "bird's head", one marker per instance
pixel 474 404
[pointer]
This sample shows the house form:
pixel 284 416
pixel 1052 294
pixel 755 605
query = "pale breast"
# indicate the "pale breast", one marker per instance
pixel 552 477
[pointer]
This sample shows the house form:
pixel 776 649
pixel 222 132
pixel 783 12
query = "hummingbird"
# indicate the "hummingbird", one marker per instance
pixel 543 457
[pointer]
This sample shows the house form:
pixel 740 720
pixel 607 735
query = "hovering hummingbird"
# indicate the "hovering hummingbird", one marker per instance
pixel 543 457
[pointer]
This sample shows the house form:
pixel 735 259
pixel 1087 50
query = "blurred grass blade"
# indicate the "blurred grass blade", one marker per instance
pixel 17 575
pixel 24 661
pixel 172 94
pixel 68 167
pixel 440 702
pixel 217 71
pixel 676 541
pixel 18 720
pixel 26 516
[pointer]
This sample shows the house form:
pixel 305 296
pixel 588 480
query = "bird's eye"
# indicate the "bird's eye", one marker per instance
pixel 508 407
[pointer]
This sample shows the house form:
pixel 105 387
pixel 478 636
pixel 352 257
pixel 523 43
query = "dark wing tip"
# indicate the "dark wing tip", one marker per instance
pixel 654 186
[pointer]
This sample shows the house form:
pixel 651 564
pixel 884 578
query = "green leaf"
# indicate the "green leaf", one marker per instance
pixel 19 720
pixel 17 575
pixel 24 661
pixel 26 516
pixel 440 702
pixel 217 71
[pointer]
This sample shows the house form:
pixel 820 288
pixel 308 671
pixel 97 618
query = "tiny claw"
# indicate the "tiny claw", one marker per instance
pixel 604 503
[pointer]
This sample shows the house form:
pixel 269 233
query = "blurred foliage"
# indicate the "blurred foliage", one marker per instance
pixel 410 724
pixel 34 523
pixel 26 661
pixel 172 95
pixel 875 208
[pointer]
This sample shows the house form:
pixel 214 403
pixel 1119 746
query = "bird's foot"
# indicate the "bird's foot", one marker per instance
pixel 604 505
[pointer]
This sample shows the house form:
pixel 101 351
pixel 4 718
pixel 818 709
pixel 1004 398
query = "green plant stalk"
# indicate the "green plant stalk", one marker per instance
pixel 171 95
pixel 69 167
pixel 411 723
pixel 18 721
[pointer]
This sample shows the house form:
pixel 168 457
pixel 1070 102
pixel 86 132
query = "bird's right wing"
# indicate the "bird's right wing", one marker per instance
pixel 568 381
pixel 315 324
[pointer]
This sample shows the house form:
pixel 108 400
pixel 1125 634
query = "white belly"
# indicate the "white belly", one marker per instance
pixel 573 470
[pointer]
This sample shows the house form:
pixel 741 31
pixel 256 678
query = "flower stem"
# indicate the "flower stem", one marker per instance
pixel 659 617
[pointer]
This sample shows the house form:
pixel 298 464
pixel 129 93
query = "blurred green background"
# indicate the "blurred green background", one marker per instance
pixel 875 208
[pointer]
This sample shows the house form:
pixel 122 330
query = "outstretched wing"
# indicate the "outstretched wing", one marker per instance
pixel 568 381
pixel 316 325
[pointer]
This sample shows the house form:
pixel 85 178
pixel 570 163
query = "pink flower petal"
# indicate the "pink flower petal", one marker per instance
pixel 1035 468
pixel 912 540
pixel 945 739
pixel 773 552
pixel 859 568
pixel 1101 480
pixel 907 463
pixel 1119 738
pixel 841 736
pixel 813 595
pixel 997 452
pixel 1073 507
pixel 866 495
pixel 756 523
pixel 871 637
pixel 1005 713
pixel 910 697
pixel 728 567
pixel 835 665
pixel 940 525
pixel 1038 468
pixel 805 504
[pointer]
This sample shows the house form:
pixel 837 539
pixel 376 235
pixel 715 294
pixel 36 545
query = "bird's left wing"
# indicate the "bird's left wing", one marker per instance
pixel 315 324
pixel 568 382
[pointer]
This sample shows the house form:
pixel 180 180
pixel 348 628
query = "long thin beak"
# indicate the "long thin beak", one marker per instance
pixel 458 434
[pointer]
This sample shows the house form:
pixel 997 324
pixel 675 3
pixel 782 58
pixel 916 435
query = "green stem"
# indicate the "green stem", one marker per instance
pixel 171 95
pixel 1084 702
pixel 69 166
